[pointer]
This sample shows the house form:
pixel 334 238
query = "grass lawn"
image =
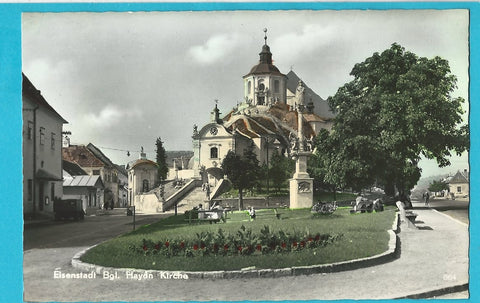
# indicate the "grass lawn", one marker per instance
pixel 363 235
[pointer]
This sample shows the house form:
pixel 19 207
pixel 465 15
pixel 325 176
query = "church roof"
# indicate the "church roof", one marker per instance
pixel 321 107
pixel 278 120
pixel 138 162
pixel 265 65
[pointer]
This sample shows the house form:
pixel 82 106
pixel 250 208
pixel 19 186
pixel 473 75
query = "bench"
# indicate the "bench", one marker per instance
pixel 211 216
pixel 407 215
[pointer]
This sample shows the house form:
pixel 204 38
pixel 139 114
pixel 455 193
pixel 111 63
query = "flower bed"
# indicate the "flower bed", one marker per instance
pixel 243 242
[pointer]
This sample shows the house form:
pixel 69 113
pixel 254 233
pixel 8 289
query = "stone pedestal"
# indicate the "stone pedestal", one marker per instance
pixel 301 193
pixel 301 185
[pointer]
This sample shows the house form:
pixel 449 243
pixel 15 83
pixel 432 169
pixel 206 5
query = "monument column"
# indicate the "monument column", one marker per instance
pixel 301 185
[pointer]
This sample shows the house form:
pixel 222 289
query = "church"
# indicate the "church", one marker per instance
pixel 266 120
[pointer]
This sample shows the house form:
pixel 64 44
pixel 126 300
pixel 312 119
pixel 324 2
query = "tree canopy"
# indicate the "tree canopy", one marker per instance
pixel 438 186
pixel 243 171
pixel 398 108
pixel 161 160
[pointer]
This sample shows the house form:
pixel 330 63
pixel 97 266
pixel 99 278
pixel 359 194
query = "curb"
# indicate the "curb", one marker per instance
pixel 437 292
pixel 389 255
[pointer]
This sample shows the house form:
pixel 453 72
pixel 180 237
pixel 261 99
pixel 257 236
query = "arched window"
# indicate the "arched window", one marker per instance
pixel 145 185
pixel 213 153
pixel 249 87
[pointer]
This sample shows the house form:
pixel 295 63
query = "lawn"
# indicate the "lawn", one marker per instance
pixel 357 236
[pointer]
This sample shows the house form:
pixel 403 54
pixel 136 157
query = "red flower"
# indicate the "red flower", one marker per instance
pixel 295 244
pixel 239 248
pixel 182 245
pixel 284 245
pixel 145 248
pixel 317 237
pixel 157 246
pixel 225 247
pixel 167 244
pixel 310 239
pixel 195 247
pixel 302 243
pixel 259 247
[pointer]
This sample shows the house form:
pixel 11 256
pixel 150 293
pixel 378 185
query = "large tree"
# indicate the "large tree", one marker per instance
pixel 161 160
pixel 243 171
pixel 398 108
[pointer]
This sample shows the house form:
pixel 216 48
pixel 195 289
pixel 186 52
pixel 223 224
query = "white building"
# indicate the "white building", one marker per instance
pixel 142 178
pixel 266 121
pixel 42 153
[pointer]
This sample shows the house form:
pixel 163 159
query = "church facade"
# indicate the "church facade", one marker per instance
pixel 266 121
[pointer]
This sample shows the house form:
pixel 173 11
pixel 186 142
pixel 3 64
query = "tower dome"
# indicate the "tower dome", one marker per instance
pixel 265 84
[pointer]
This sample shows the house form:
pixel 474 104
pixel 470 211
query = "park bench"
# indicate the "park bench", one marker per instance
pixel 407 215
pixel 211 216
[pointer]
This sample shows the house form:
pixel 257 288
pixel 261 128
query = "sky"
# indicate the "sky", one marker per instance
pixel 123 79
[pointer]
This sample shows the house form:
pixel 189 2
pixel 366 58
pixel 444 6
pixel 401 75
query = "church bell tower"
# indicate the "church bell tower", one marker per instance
pixel 265 85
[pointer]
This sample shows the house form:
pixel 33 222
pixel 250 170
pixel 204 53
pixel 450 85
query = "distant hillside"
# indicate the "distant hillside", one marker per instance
pixel 177 154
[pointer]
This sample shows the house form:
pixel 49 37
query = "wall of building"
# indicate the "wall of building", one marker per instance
pixel 92 198
pixel 48 156
pixel 251 87
pixel 459 189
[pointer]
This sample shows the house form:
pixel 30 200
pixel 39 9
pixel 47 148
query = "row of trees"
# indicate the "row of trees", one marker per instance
pixel 397 109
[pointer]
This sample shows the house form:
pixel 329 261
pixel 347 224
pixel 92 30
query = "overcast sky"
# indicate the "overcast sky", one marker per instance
pixel 123 79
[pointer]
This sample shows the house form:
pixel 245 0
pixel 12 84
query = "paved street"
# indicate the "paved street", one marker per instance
pixel 457 209
pixel 92 230
pixel 432 257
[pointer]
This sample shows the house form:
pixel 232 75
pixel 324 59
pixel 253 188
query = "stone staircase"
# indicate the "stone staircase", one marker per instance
pixel 194 198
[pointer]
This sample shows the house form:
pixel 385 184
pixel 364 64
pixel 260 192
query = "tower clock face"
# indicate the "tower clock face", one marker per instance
pixel 214 130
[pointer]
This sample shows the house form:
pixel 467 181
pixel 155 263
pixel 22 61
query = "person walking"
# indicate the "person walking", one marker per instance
pixel 426 197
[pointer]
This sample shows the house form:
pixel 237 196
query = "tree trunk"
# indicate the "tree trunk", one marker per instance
pixel 240 199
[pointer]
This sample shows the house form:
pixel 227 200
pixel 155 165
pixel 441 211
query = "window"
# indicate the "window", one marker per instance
pixel 42 135
pixel 145 185
pixel 52 191
pixel 249 87
pixel 30 189
pixel 276 86
pixel 52 141
pixel 30 130
pixel 459 189
pixel 213 153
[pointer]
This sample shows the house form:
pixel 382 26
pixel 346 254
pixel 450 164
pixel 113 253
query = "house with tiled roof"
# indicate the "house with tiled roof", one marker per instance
pixel 459 184
pixel 42 155
pixel 95 163
pixel 266 121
